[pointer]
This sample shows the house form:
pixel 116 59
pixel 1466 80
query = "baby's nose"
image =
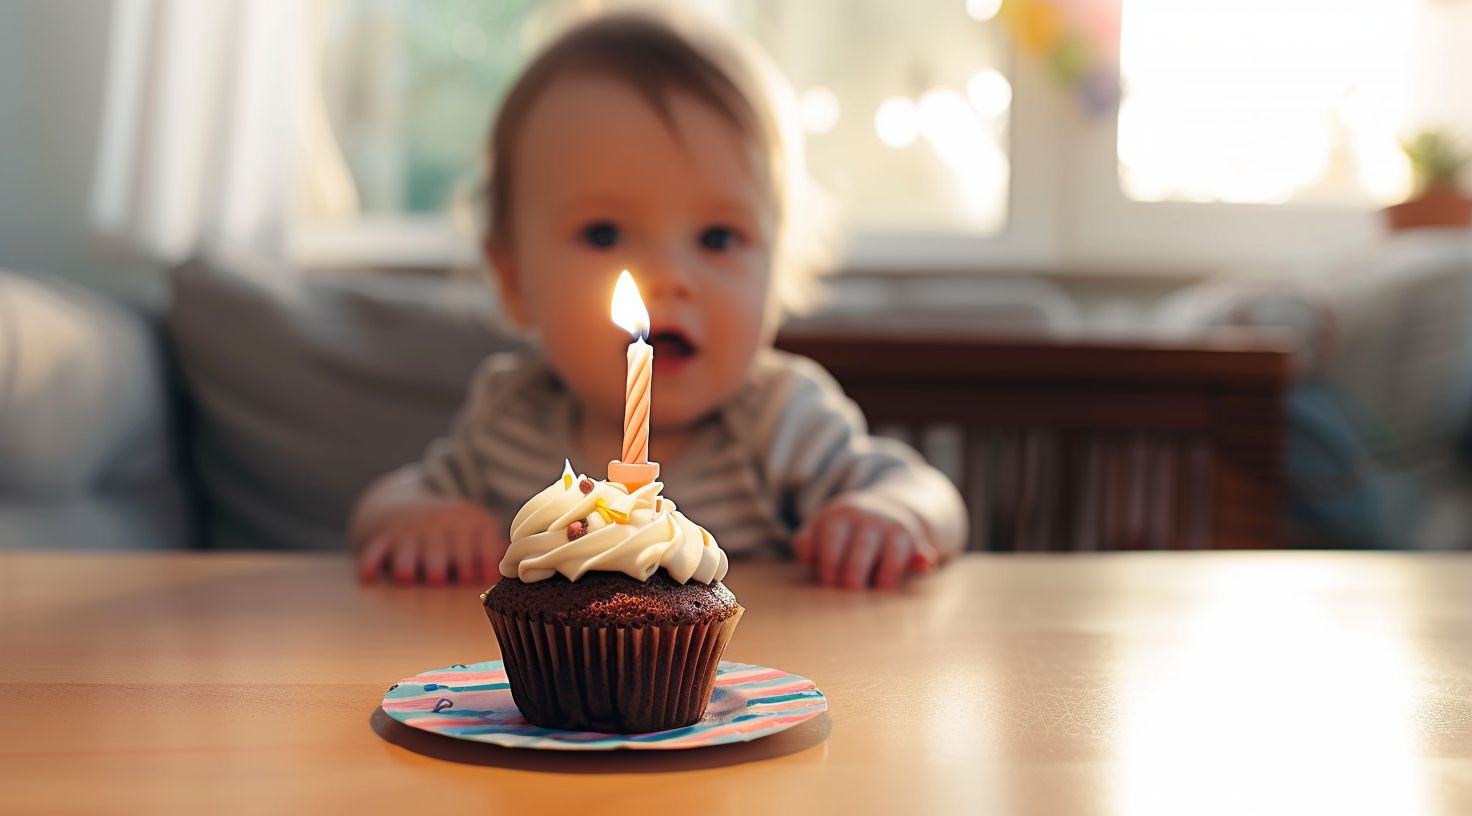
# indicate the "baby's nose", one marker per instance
pixel 664 275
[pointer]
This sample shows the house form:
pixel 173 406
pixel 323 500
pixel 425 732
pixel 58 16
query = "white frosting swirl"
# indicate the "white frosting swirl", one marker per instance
pixel 654 535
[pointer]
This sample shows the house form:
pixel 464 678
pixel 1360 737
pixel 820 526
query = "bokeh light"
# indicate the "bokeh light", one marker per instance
pixel 990 92
pixel 820 110
pixel 983 10
pixel 897 122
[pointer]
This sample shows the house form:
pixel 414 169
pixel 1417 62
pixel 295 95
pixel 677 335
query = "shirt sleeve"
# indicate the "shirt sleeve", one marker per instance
pixel 458 464
pixel 816 446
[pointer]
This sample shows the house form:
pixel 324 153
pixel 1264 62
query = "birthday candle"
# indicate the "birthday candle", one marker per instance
pixel 629 312
pixel 633 469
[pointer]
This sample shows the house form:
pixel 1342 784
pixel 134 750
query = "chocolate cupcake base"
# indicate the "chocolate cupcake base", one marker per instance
pixel 630 657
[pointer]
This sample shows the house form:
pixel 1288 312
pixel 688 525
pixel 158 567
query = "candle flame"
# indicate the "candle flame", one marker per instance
pixel 628 308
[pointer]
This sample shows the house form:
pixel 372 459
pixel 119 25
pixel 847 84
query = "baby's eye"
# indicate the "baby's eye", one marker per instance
pixel 601 234
pixel 719 239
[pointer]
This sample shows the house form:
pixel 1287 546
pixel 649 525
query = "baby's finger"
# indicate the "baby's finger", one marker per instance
pixel 863 552
pixel 898 548
pixel 925 557
pixel 437 557
pixel 476 572
pixel 462 559
pixel 405 557
pixel 370 560
pixel 833 539
pixel 802 546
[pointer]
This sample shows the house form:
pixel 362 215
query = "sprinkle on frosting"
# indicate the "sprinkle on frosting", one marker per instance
pixel 610 515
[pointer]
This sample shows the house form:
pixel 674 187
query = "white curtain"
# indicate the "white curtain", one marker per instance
pixel 213 134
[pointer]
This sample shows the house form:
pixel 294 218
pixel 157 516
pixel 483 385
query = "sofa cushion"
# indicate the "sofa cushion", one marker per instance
pixel 306 386
pixel 1380 417
pixel 85 455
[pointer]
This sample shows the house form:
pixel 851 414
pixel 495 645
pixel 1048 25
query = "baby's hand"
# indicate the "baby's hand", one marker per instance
pixel 437 542
pixel 859 540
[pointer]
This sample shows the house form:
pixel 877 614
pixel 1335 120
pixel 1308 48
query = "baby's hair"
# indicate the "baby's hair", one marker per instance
pixel 656 59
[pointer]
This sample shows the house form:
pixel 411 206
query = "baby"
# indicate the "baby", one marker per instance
pixel 624 145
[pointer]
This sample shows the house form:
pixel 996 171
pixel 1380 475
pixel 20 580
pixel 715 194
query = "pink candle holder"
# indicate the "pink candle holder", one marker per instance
pixel 632 475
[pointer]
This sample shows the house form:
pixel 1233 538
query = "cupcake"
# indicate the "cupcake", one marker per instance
pixel 611 614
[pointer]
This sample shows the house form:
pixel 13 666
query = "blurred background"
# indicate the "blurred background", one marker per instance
pixel 1135 273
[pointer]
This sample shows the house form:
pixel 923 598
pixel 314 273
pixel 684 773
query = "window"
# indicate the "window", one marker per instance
pixel 410 89
pixel 906 106
pixel 1248 129
pixel 1265 101
pixel 1259 132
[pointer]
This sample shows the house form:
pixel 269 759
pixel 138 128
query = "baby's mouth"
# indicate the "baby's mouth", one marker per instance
pixel 673 349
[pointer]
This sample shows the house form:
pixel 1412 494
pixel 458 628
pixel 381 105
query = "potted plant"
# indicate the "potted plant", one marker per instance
pixel 1436 159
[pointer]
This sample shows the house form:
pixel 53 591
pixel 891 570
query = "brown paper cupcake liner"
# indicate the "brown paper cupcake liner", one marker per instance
pixel 615 679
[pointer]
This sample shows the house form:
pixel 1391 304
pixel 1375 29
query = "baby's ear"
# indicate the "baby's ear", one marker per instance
pixel 503 270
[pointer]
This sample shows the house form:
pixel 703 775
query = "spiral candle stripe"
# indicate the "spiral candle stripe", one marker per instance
pixel 636 403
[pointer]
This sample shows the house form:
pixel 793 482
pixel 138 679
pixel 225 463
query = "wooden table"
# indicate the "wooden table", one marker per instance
pixel 1151 683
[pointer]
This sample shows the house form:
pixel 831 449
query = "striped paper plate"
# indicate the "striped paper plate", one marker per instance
pixel 473 702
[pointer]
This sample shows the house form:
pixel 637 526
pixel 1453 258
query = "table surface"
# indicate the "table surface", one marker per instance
pixel 1152 683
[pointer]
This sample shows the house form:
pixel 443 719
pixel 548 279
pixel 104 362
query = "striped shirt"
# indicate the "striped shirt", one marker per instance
pixel 783 447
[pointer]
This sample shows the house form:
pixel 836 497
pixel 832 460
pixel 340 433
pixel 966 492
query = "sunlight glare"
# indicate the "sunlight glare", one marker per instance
pixel 1265 700
pixel 1260 101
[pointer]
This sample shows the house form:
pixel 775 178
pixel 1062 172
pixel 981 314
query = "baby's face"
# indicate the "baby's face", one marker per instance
pixel 601 184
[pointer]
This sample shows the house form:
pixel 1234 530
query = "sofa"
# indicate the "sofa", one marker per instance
pixel 248 413
pixel 1380 421
pixel 87 453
